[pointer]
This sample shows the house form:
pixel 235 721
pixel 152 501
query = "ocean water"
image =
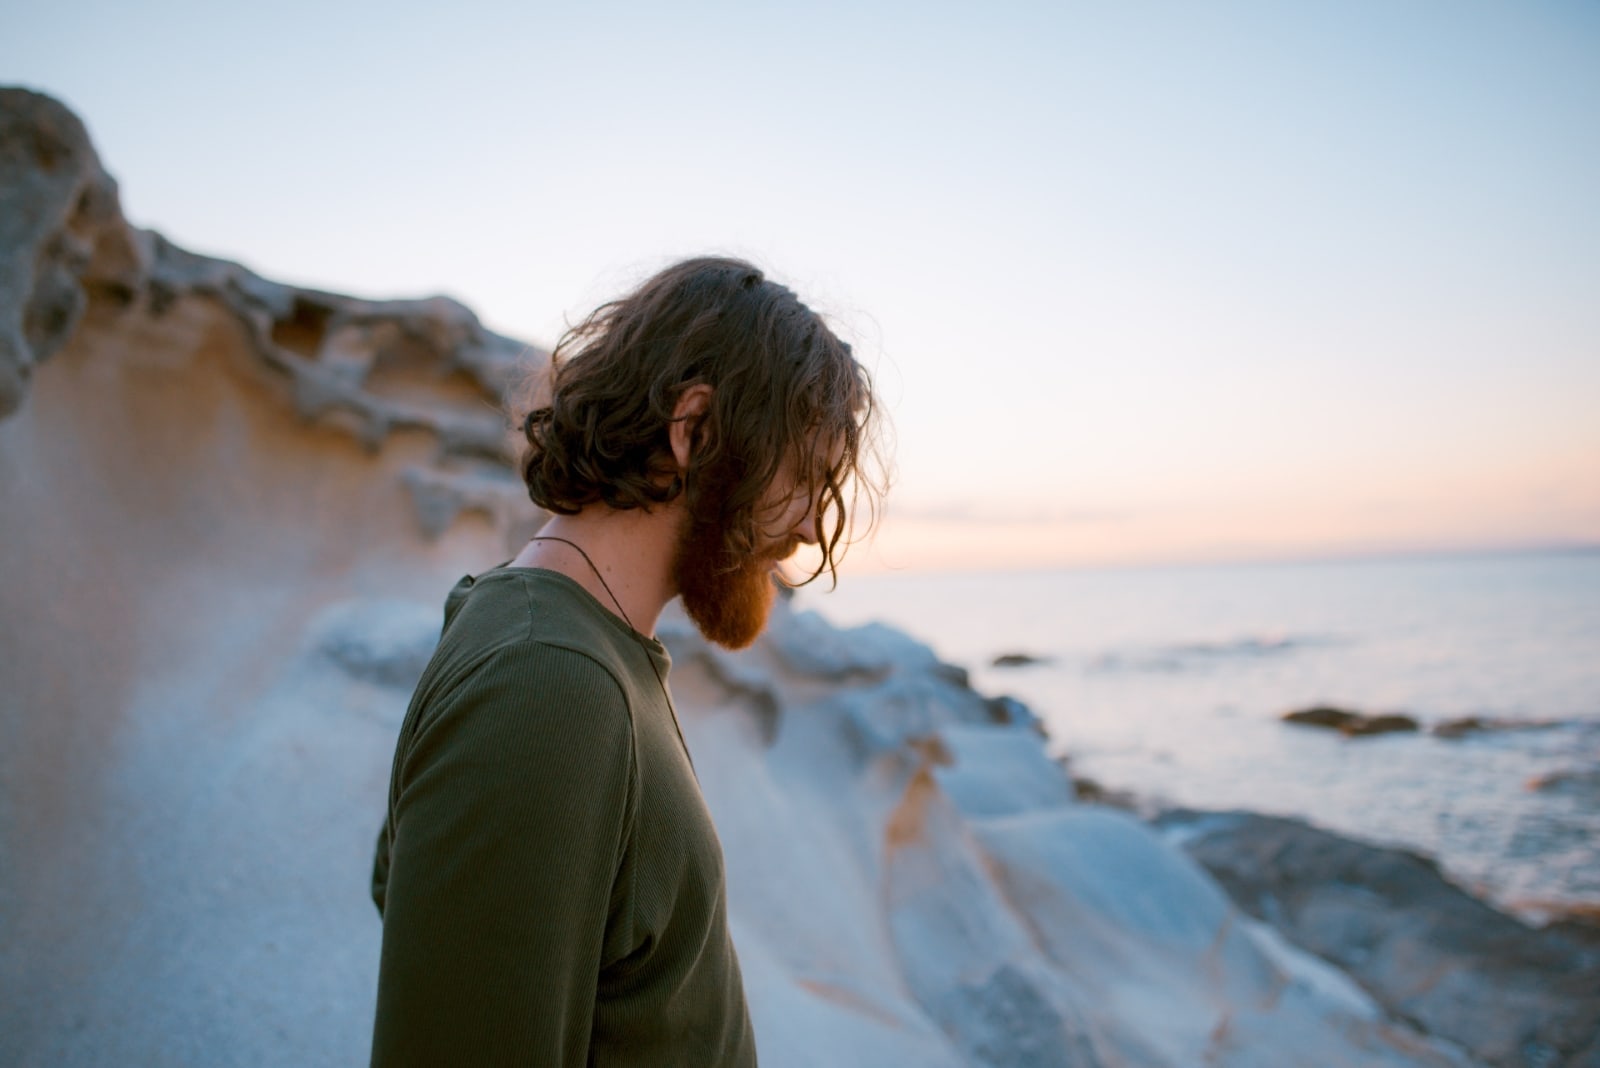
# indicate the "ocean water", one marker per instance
pixel 1170 683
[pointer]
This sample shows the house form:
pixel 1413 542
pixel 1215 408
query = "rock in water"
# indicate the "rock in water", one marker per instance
pixel 1017 660
pixel 1385 724
pixel 1322 716
pixel 1350 724
pixel 1465 725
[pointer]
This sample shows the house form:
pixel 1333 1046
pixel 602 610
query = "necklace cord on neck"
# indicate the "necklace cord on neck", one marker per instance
pixel 649 659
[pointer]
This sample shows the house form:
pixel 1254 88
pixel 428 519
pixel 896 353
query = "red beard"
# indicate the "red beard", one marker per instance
pixel 727 596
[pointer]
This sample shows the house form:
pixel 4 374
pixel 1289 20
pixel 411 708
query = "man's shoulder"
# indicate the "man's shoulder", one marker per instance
pixel 520 611
pixel 493 689
pixel 539 662
pixel 529 636
pixel 498 729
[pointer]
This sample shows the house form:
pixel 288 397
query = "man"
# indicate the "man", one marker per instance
pixel 550 881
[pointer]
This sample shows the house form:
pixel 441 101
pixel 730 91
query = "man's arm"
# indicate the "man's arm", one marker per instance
pixel 507 836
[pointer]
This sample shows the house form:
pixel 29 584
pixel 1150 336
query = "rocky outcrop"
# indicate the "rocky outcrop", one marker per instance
pixel 1424 948
pixel 1350 724
pixel 937 895
pixel 1018 660
pixel 232 509
pixel 1465 726
pixel 369 369
pixel 62 236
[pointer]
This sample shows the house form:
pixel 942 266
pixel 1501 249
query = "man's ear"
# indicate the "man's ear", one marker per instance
pixel 693 403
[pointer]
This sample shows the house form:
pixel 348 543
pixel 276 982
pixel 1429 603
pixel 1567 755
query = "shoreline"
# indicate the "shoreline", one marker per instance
pixel 1581 914
pixel 1425 948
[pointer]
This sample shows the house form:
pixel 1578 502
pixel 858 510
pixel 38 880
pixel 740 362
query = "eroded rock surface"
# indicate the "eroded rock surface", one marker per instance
pixel 934 866
pixel 1427 950
pixel 62 236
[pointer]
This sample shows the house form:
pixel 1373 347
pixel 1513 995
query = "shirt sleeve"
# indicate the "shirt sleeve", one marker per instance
pixel 508 831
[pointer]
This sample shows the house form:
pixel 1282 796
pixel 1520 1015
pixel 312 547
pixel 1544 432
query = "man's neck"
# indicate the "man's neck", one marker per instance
pixel 632 553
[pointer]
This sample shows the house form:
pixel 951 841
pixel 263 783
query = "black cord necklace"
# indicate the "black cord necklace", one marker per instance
pixel 673 712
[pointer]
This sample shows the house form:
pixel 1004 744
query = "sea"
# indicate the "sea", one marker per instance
pixel 1170 683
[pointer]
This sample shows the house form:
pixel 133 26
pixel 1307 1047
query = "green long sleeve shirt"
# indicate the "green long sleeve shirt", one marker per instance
pixel 550 881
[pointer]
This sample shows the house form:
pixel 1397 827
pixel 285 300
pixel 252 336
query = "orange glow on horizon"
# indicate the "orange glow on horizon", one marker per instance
pixel 1558 505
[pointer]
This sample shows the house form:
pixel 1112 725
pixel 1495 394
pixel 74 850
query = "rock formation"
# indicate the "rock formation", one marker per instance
pixel 1426 949
pixel 1350 724
pixel 1018 660
pixel 1466 726
pixel 232 509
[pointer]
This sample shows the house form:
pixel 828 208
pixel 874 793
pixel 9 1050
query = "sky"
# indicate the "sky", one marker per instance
pixel 1138 282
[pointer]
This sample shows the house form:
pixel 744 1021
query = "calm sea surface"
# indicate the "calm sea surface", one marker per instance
pixel 1169 682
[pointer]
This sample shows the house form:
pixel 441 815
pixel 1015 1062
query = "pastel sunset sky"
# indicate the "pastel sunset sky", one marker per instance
pixel 1139 281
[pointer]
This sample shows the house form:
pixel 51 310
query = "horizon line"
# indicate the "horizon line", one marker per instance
pixel 1352 556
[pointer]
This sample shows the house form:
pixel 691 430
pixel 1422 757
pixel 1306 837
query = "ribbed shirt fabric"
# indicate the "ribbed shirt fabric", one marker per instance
pixel 550 881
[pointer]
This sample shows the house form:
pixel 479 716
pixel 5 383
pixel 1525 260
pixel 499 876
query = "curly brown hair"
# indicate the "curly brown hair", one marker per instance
pixel 784 389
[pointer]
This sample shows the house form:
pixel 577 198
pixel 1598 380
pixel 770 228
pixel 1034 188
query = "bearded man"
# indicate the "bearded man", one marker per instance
pixel 549 878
